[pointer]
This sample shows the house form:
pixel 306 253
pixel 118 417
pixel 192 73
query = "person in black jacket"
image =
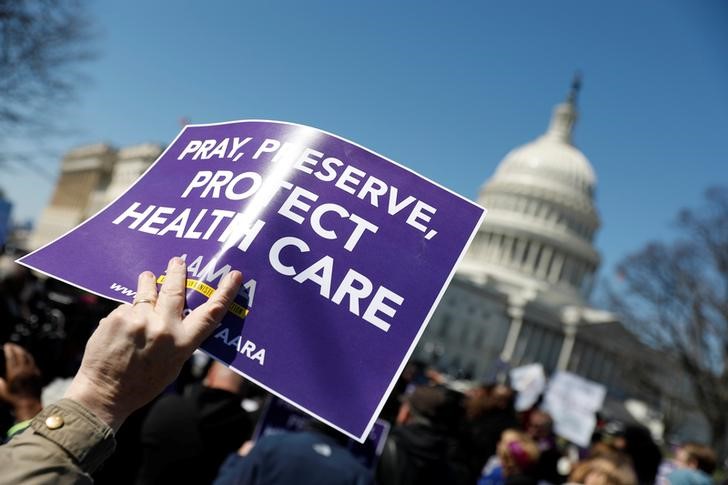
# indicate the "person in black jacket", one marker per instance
pixel 419 448
pixel 540 428
pixel 186 438
pixel 490 412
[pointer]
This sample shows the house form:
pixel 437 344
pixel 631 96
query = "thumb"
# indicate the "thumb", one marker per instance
pixel 4 392
pixel 204 319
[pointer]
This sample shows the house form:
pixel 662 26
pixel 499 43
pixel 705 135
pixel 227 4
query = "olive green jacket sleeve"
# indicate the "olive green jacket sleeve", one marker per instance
pixel 64 444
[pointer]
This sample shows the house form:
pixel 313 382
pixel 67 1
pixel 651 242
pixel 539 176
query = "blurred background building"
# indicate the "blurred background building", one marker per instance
pixel 91 177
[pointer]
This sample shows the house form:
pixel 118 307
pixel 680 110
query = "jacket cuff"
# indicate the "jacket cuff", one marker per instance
pixel 87 439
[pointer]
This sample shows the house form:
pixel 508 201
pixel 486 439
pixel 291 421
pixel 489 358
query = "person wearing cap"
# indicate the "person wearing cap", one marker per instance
pixel 418 449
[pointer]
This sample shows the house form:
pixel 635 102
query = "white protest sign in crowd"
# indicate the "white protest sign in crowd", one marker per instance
pixel 572 402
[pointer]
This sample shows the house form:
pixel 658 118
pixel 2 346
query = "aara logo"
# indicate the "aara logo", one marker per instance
pixel 246 348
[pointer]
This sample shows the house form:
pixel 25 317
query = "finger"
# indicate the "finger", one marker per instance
pixel 204 319
pixel 28 361
pixel 24 357
pixel 146 290
pixel 171 300
pixel 120 311
pixel 13 355
pixel 8 356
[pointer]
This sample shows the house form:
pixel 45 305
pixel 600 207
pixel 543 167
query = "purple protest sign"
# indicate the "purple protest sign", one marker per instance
pixel 344 253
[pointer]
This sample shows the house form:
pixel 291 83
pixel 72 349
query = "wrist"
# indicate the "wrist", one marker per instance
pixel 103 407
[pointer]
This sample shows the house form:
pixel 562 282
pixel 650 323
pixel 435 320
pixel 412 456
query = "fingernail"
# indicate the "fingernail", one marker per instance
pixel 176 261
pixel 231 276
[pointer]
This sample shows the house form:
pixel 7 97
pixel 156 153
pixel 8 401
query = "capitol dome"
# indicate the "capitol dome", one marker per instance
pixel 541 218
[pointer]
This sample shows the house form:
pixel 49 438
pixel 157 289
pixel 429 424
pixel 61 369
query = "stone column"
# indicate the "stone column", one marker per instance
pixel 570 317
pixel 516 310
pixel 516 314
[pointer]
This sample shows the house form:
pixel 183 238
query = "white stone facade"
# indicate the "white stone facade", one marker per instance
pixel 91 177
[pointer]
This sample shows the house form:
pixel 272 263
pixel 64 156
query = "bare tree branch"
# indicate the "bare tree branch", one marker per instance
pixel 675 297
pixel 42 45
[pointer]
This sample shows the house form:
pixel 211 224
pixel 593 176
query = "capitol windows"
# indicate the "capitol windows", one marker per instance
pixel 607 372
pixel 558 269
pixel 551 269
pixel 490 246
pixel 587 280
pixel 565 272
pixel 482 245
pixel 580 275
pixel 546 350
pixel 498 246
pixel 586 356
pixel 575 274
pixel 504 246
pixel 524 255
pixel 508 250
pixel 543 261
pixel 500 239
pixel 597 365
pixel 520 251
pixel 540 344
pixel 538 248
pixel 521 205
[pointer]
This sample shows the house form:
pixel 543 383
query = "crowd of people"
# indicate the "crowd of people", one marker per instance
pixel 187 419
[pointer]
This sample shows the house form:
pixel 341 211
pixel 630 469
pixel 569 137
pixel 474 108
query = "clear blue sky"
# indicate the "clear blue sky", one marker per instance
pixel 444 88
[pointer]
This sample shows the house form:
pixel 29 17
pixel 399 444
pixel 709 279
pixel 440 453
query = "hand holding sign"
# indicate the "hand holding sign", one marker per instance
pixel 139 349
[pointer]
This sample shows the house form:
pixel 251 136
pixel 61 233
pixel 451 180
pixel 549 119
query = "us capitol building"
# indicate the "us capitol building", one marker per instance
pixel 521 292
